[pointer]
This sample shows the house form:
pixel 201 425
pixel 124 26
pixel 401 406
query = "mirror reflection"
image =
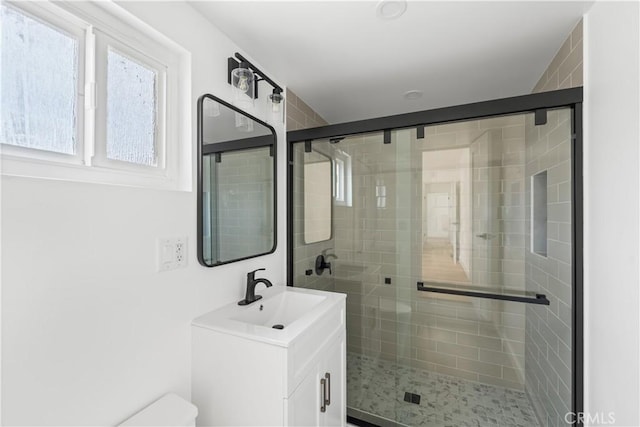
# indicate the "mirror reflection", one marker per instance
pixel 317 197
pixel 236 213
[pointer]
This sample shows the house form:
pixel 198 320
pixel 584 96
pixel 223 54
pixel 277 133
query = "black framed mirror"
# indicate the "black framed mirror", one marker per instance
pixel 236 184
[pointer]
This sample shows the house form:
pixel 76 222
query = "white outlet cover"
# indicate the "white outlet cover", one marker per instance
pixel 171 253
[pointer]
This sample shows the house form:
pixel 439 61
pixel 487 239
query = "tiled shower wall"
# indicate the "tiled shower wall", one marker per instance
pixel 548 329
pixel 300 115
pixel 565 70
pixel 548 338
pixel 498 157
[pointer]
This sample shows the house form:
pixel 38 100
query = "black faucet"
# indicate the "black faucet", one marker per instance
pixel 327 256
pixel 251 287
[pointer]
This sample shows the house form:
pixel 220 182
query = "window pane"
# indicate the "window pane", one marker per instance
pixel 38 85
pixel 131 110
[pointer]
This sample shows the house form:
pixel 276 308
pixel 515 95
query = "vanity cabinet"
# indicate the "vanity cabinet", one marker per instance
pixel 256 375
pixel 319 400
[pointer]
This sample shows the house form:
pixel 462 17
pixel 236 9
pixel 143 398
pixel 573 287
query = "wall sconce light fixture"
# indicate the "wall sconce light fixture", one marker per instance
pixel 243 84
pixel 243 76
pixel 275 100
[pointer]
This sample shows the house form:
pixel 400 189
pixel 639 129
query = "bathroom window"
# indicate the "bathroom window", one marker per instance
pixel 342 178
pixel 134 86
pixel 132 91
pixel 41 82
pixel 90 93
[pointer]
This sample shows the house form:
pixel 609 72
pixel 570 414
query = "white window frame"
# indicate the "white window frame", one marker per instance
pixel 103 24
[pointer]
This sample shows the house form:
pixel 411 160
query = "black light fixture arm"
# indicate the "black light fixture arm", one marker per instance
pixel 233 64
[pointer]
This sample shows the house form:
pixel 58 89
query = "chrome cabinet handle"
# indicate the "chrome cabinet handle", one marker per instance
pixel 327 400
pixel 323 391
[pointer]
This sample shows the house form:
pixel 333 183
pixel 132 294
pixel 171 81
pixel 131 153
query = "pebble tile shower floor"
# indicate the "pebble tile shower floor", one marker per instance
pixel 378 387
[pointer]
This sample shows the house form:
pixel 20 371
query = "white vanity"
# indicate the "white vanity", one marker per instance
pixel 246 372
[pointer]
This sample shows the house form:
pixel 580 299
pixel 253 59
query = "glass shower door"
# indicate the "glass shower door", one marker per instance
pixel 442 244
pixel 493 350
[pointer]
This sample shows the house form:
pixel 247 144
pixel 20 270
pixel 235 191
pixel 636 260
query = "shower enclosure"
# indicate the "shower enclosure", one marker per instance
pixel 456 235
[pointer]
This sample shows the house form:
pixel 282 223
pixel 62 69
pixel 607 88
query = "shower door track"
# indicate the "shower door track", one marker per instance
pixel 536 103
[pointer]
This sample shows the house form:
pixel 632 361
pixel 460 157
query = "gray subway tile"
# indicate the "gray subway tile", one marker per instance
pixel 481 368
pixel 438 358
pixel 573 60
pixel 457 325
pixel 458 350
pixel 478 341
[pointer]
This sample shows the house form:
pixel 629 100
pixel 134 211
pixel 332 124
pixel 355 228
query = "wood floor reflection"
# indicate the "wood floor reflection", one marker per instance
pixel 438 265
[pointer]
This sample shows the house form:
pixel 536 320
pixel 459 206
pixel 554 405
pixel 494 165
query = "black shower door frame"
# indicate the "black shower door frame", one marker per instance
pixel 535 103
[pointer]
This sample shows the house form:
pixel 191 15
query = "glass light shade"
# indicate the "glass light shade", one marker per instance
pixel 243 84
pixel 275 102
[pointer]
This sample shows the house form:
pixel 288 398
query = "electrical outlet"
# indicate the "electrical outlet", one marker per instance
pixel 172 253
pixel 181 251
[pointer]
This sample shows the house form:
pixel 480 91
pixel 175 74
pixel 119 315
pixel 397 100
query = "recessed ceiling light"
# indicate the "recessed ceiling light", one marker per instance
pixel 391 9
pixel 413 94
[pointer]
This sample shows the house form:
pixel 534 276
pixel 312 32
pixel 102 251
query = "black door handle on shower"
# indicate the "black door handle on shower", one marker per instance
pixel 538 299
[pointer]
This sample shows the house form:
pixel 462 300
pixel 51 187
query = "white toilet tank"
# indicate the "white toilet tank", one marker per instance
pixel 169 410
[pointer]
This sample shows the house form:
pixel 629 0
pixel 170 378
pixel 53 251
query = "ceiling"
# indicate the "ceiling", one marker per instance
pixel 348 64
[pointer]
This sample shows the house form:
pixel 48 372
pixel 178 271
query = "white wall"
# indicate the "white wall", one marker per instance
pixel 90 331
pixel 612 306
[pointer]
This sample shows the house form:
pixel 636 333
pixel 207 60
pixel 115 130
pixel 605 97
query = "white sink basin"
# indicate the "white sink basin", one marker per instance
pixel 281 309
pixel 294 309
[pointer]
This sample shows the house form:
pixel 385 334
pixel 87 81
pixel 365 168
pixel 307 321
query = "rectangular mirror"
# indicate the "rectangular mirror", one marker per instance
pixel 317 197
pixel 236 184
